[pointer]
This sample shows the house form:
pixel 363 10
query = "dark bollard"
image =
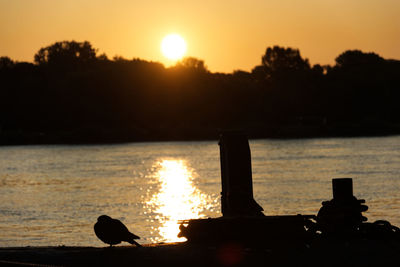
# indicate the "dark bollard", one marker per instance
pixel 342 189
pixel 342 215
pixel 236 177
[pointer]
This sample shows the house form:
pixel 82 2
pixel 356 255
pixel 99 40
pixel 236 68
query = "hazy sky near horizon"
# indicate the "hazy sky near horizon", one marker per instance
pixel 227 34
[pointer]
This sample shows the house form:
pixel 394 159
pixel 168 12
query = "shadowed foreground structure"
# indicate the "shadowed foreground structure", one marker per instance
pixel 320 253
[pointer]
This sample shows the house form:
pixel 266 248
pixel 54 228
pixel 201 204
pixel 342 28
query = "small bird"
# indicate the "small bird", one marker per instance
pixel 112 231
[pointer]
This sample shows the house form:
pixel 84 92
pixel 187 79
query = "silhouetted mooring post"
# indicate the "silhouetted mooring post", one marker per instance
pixel 236 177
pixel 242 219
pixel 342 189
pixel 342 214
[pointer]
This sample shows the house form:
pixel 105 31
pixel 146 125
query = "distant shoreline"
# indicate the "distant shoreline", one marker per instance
pixel 72 96
pixel 118 137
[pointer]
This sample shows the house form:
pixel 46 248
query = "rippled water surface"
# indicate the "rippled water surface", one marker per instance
pixel 52 195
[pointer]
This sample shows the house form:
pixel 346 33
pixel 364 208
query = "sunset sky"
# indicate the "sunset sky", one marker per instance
pixel 227 34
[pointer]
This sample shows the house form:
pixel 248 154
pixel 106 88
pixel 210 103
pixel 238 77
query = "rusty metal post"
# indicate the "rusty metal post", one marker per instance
pixel 342 189
pixel 236 176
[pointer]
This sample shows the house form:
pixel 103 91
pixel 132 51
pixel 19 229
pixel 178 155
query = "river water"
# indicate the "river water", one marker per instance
pixel 52 195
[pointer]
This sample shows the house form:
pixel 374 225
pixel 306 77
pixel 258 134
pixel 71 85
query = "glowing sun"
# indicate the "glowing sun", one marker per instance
pixel 173 46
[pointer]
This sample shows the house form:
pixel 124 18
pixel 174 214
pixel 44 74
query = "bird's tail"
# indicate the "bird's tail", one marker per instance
pixel 133 242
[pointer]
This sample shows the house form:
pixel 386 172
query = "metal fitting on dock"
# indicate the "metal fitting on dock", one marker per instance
pixel 341 215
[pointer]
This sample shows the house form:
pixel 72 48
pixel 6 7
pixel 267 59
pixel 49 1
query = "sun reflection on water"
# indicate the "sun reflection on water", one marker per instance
pixel 177 198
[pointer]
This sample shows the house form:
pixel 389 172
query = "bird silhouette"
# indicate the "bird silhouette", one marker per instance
pixel 112 231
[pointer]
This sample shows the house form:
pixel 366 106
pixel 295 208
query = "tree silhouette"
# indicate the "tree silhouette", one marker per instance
pixel 361 83
pixel 66 53
pixel 278 60
pixel 352 58
pixel 72 95
pixel 192 63
pixel 6 62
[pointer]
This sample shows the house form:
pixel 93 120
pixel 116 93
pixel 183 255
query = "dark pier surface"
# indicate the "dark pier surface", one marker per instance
pixel 319 253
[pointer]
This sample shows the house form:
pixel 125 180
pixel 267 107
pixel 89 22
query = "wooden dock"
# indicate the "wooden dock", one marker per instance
pixel 319 253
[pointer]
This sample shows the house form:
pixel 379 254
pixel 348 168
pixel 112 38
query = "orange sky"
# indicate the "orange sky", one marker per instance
pixel 227 34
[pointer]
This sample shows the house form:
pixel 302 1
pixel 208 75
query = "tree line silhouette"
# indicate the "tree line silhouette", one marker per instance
pixel 70 94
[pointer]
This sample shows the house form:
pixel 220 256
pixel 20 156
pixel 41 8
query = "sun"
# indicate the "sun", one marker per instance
pixel 173 46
